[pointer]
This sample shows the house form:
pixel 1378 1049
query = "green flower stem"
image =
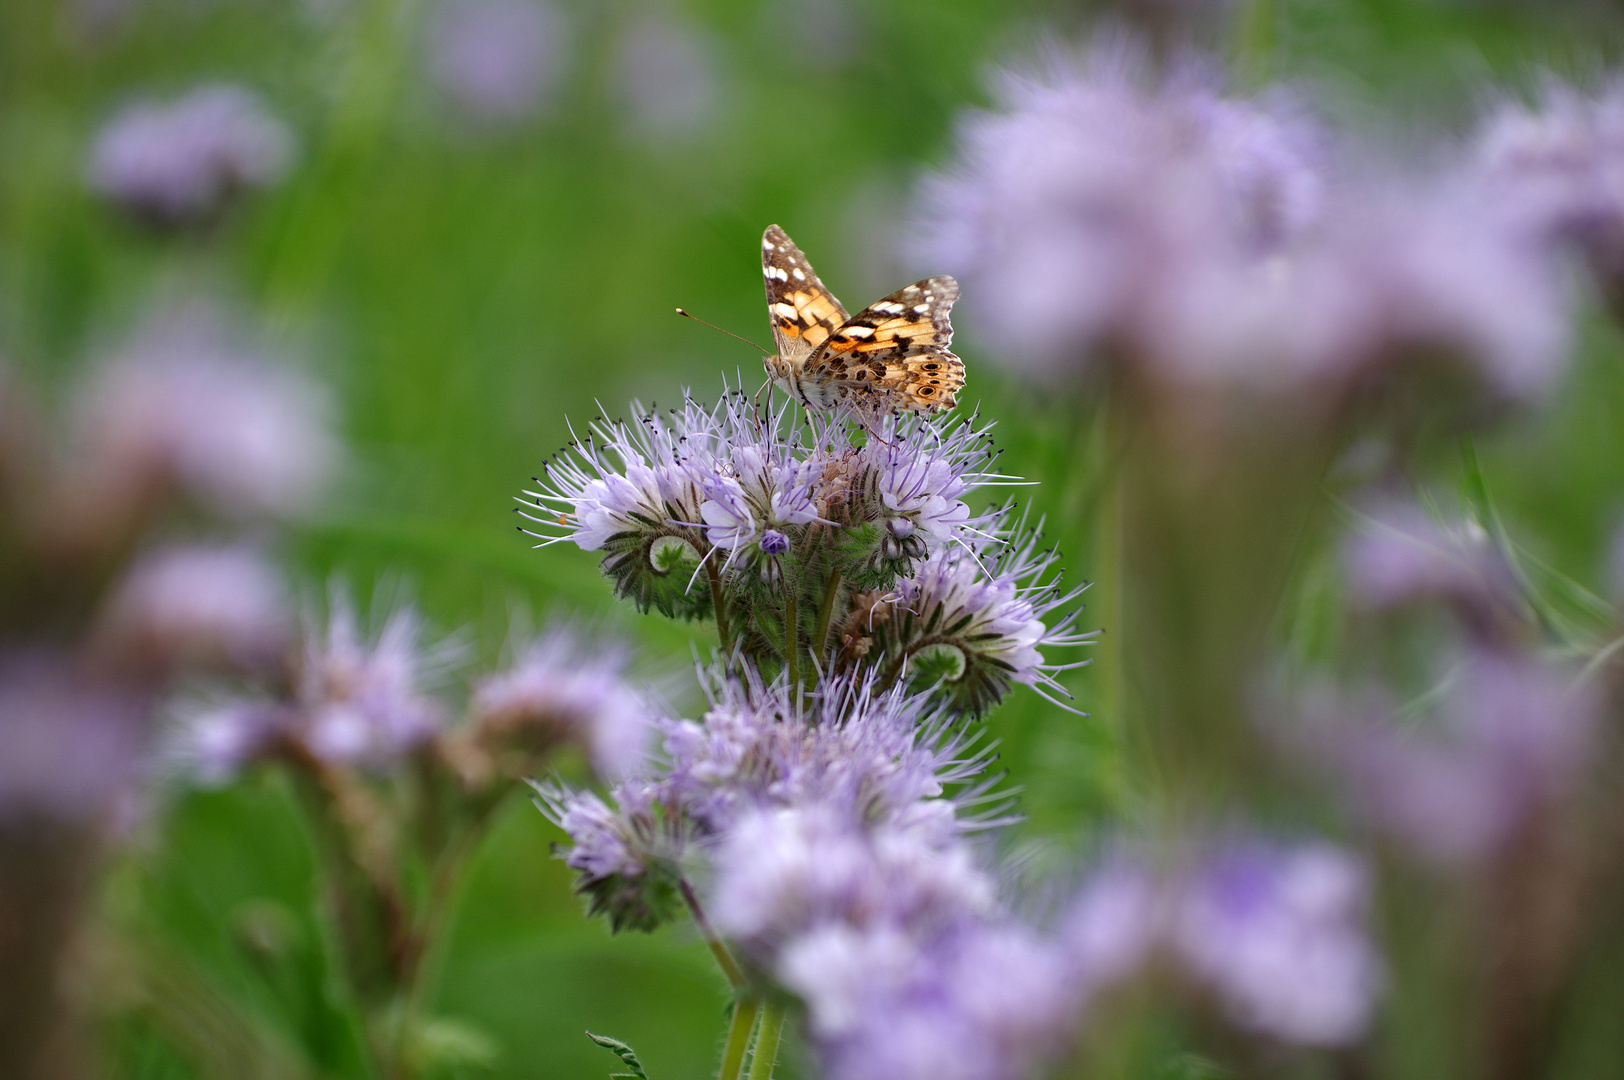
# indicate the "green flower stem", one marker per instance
pixel 766 1055
pixel 738 1037
pixel 724 959
pixel 718 604
pixel 792 633
pixel 820 636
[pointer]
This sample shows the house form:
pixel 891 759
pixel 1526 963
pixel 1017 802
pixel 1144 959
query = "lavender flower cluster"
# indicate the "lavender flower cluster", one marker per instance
pixel 848 548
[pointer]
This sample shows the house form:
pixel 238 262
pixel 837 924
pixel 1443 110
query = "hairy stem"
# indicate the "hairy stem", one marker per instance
pixel 714 576
pixel 792 633
pixel 820 636
pixel 724 959
pixel 738 1037
pixel 772 1028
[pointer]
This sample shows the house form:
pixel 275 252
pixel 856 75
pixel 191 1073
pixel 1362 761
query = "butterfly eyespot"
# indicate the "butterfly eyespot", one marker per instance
pixel 926 391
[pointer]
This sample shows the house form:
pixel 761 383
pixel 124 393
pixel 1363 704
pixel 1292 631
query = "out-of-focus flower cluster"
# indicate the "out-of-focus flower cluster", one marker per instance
pixel 1120 213
pixel 181 162
pixel 860 541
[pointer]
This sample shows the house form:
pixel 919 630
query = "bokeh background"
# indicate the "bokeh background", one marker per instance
pixel 492 209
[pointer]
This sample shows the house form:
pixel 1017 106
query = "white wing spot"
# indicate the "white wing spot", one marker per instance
pixel 798 275
pixel 920 309
pixel 889 308
pixel 767 245
pixel 857 331
pixel 785 311
pixel 777 272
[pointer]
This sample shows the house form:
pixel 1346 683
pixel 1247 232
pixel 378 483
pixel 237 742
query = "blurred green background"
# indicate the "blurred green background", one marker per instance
pixel 466 287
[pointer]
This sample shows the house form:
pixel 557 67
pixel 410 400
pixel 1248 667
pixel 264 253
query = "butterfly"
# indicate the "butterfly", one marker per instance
pixel 893 354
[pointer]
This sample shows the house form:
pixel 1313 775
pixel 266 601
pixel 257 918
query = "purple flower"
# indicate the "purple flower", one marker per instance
pixel 181 163
pixel 1507 741
pixel 626 857
pixel 213 742
pixel 198 606
pixel 987 1000
pixel 1107 215
pixel 1094 177
pixel 497 59
pixel 1559 169
pixel 774 543
pixel 363 702
pixel 184 404
pixel 561 688
pixel 1401 556
pixel 783 871
pixel 1278 933
pixel 711 482
pixel 1275 931
pixel 887 755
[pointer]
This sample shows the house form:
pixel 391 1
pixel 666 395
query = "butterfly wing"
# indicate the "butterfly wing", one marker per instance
pixel 803 313
pixel 897 348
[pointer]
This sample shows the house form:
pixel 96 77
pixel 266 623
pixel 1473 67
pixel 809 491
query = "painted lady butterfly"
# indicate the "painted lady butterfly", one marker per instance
pixel 893 353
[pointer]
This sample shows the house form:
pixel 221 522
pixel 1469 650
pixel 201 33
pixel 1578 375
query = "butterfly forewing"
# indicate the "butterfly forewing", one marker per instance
pixel 803 313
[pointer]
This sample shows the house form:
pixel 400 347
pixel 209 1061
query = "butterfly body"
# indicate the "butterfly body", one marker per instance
pixel 893 355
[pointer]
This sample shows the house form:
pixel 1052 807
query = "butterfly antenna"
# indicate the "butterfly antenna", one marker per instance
pixel 689 315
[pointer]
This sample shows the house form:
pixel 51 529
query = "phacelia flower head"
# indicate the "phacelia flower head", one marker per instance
pixel 364 702
pixel 198 606
pixel 973 619
pixel 1279 933
pixel 182 162
pixel 627 857
pixel 1108 215
pixel 1558 167
pixel 187 405
pixel 560 689
pixel 729 488
pixel 1505 741
pixel 1400 556
pixel 1274 932
pixel 1095 174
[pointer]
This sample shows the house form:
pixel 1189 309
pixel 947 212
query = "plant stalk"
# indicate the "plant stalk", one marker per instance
pixel 772 1028
pixel 820 636
pixel 718 606
pixel 738 1037
pixel 724 959
pixel 792 633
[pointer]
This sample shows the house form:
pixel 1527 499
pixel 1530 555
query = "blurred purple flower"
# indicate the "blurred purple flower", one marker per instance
pixel 183 403
pixel 212 742
pixel 1400 555
pixel 1509 738
pixel 667 78
pixel 1095 177
pixel 1559 168
pixel 782 872
pixel 68 743
pixel 364 703
pixel 181 163
pixel 985 1001
pixel 1279 934
pixel 497 59
pixel 198 606
pixel 571 690
pixel 1108 215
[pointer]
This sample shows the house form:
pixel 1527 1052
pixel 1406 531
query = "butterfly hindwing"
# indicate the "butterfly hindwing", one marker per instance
pixel 897 347
pixel 803 313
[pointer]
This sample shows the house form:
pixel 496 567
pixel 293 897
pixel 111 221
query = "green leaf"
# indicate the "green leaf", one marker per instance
pixel 627 1055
